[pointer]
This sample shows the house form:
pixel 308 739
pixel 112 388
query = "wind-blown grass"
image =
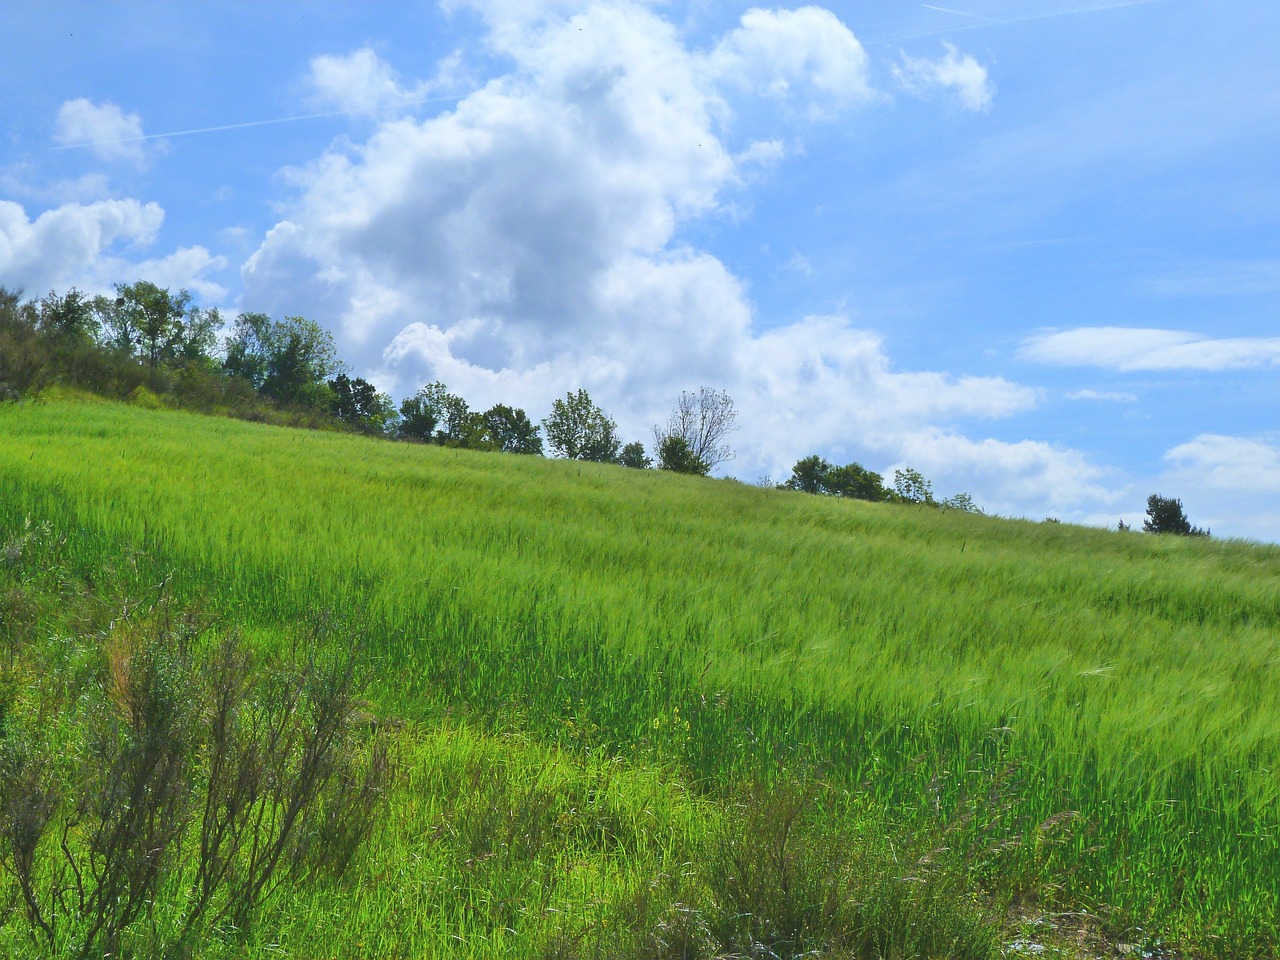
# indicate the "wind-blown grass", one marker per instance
pixel 1123 685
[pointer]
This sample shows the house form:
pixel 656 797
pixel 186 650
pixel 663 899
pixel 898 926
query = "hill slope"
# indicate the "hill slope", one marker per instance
pixel 1124 685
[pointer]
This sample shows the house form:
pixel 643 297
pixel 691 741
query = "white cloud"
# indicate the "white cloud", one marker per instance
pixel 528 242
pixel 961 75
pixel 806 53
pixel 361 83
pixel 185 268
pixel 1230 485
pixel 24 180
pixel 1017 479
pixel 1134 348
pixel 1230 463
pixel 800 264
pixel 764 153
pixel 1112 396
pixel 83 245
pixel 105 129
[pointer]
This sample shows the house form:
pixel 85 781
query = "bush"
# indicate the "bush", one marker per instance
pixel 798 873
pixel 174 778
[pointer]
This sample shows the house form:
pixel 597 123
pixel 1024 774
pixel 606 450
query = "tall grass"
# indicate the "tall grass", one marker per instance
pixel 1011 676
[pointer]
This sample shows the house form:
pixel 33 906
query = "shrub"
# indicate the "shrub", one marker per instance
pixel 183 779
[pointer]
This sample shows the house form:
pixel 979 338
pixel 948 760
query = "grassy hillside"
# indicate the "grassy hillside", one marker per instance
pixel 1099 713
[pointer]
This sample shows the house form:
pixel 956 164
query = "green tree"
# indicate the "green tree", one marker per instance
pixel 434 415
pixel 579 430
pixel 702 420
pixel 910 486
pixel 1165 515
pixel 357 403
pixel 675 455
pixel 815 475
pixel 856 482
pixel 418 419
pixel 199 338
pixel 289 360
pixel 70 315
pixel 633 456
pixel 809 475
pixel 964 502
pixel 153 318
pixel 511 431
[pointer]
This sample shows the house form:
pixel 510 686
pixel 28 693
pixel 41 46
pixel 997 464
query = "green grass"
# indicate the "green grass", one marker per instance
pixel 1100 711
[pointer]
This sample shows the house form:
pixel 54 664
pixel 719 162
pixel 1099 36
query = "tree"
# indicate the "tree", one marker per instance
pixel 511 431
pixel 964 502
pixel 418 419
pixel 358 404
pixel 701 420
pixel 809 475
pixel 633 456
pixel 199 337
pixel 579 430
pixel 857 482
pixel 70 315
pixel 1165 515
pixel 910 486
pixel 675 455
pixel 815 475
pixel 288 360
pixel 434 415
pixel 150 318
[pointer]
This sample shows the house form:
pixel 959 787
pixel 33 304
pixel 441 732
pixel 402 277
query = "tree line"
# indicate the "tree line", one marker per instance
pixel 147 342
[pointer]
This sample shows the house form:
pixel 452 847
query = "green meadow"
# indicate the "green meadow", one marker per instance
pixel 640 714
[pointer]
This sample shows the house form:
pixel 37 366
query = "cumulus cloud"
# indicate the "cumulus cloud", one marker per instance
pixel 1017 478
pixel 960 75
pixel 85 246
pixel 1130 349
pixel 807 54
pixel 1230 463
pixel 528 242
pixel 104 128
pixel 361 83
pixel 1229 484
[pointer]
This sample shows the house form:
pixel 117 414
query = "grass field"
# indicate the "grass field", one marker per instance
pixel 1085 720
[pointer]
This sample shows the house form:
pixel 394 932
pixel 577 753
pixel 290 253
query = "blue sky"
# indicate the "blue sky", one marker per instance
pixel 1029 247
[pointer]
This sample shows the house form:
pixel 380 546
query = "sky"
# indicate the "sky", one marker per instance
pixel 1030 248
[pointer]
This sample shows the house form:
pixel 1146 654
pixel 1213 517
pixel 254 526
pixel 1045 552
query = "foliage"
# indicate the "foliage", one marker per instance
pixel 152 322
pixel 289 360
pixel 434 415
pixel 509 430
pixel 815 475
pixel 675 455
pixel 700 421
pixel 183 781
pixel 358 404
pixel 579 430
pixel 70 315
pixel 1165 515
pixel 910 486
pixel 966 504
pixel 151 783
pixel 633 456
pixel 795 875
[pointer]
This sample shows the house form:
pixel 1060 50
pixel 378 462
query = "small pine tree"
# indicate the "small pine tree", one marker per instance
pixel 1165 515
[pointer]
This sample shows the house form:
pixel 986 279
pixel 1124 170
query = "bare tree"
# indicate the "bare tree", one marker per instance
pixel 701 420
